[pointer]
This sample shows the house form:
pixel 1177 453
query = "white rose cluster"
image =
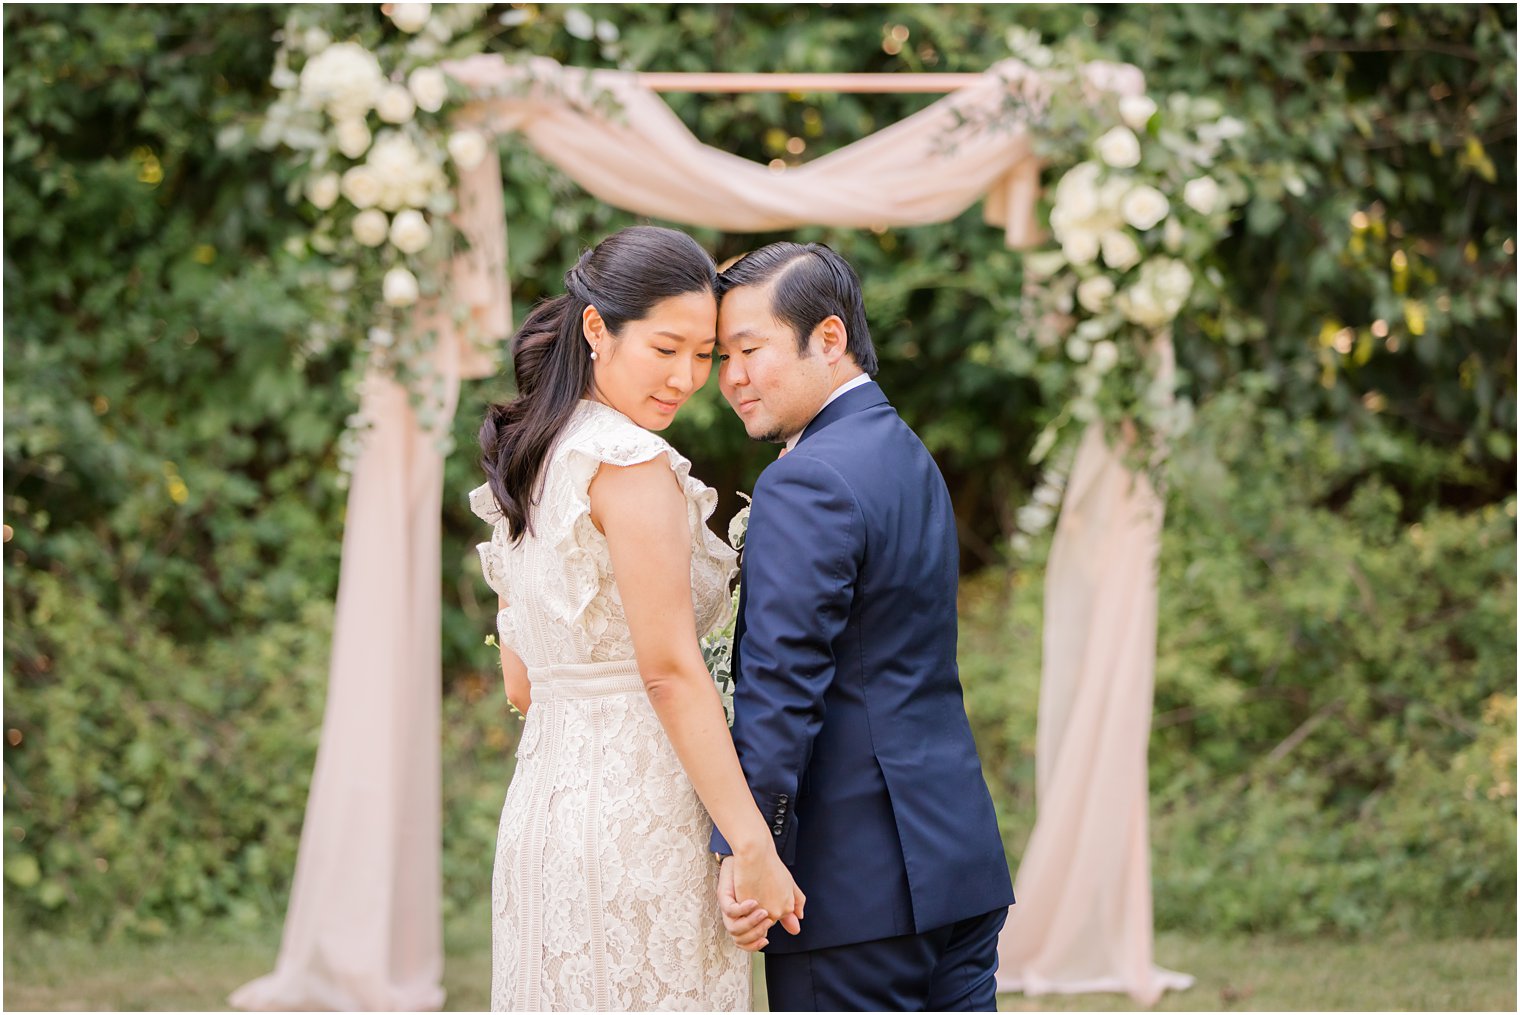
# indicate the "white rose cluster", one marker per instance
pixel 1158 294
pixel 1091 212
pixel 396 175
pixel 1095 293
pixel 1086 210
pixel 344 79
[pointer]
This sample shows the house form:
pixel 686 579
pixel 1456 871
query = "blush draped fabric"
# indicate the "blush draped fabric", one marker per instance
pixel 363 926
pixel 1083 921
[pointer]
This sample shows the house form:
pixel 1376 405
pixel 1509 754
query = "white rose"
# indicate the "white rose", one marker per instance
pixel 1119 148
pixel 1136 111
pixel 1120 250
pixel 344 79
pixel 1034 517
pixel 1094 293
pixel 322 191
pixel 315 40
pixel 399 288
pixel 410 18
pixel 362 187
pixel 353 138
pixel 395 105
pixel 1105 356
pixel 1043 265
pixel 1080 246
pixel 410 232
pixel 1229 128
pixel 1158 294
pixel 1144 206
pixel 466 148
pixel 1201 195
pixel 579 24
pixel 429 87
pixel 1076 193
pixel 370 227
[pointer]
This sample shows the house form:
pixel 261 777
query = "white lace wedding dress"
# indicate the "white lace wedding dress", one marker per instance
pixel 602 897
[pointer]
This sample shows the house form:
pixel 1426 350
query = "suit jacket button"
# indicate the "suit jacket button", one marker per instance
pixel 776 831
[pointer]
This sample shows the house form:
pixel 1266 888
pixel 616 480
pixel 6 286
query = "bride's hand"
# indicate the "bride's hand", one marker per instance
pixel 766 880
pixel 744 920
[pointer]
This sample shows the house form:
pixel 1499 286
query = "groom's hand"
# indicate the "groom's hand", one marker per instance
pixel 745 921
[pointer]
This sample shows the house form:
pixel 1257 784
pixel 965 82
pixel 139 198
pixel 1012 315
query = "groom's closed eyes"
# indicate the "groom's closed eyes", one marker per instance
pixel 743 342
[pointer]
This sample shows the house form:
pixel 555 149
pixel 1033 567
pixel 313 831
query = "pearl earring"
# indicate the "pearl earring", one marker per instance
pixel 593 354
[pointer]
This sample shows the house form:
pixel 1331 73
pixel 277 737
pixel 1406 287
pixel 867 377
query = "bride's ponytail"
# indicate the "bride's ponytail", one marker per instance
pixel 624 276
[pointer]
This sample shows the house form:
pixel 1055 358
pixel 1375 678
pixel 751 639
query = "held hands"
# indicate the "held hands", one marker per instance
pixel 750 892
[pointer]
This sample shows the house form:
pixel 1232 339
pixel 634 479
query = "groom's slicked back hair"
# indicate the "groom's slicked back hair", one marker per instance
pixel 812 284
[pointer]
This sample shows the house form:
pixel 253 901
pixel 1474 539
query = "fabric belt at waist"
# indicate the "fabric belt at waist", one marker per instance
pixel 585 680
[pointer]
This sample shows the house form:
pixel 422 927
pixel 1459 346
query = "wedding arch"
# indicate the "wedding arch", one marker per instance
pixel 363 928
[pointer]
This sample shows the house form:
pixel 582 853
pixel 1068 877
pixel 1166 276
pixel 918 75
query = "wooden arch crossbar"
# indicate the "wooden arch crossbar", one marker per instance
pixel 875 84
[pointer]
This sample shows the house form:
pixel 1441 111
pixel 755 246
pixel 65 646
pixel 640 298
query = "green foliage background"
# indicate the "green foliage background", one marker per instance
pixel 1335 730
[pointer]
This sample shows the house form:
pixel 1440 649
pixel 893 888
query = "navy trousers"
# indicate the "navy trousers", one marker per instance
pixel 946 969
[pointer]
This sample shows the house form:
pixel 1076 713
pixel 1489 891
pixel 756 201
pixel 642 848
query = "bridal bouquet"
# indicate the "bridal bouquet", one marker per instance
pixel 718 647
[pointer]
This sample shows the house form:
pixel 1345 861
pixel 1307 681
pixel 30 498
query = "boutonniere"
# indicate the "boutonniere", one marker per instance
pixel 718 647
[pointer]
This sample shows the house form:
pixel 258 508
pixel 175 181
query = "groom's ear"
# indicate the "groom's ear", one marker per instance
pixel 833 338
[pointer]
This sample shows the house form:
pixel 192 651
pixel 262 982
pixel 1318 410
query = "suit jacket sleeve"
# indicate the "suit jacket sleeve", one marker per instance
pixel 801 557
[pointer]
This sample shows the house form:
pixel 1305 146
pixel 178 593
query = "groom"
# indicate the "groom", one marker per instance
pixel 849 720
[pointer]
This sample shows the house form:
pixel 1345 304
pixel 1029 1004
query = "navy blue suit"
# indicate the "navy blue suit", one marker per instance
pixel 850 723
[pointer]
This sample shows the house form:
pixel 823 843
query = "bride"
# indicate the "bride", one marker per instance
pixel 602 896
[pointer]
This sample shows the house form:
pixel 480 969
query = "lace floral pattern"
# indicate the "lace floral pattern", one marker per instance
pixel 562 573
pixel 602 888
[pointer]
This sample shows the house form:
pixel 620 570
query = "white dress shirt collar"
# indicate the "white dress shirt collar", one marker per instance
pixel 849 385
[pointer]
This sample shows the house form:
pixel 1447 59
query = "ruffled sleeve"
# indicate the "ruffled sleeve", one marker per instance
pixel 492 557
pixel 583 547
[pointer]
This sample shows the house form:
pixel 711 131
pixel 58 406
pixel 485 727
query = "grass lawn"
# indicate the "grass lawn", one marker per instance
pixel 196 972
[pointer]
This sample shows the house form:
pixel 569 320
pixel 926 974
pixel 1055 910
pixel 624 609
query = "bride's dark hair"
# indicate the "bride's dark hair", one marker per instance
pixel 624 276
